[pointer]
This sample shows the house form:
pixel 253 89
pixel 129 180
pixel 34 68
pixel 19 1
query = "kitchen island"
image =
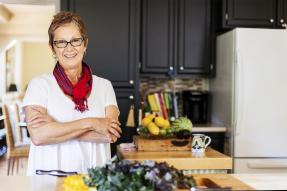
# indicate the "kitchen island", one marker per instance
pixel 49 183
pixel 211 161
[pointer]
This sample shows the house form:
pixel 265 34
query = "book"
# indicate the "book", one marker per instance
pixel 152 103
pixel 162 105
pixel 156 95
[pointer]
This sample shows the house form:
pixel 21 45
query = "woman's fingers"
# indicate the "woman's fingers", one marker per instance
pixel 33 118
pixel 116 122
pixel 114 132
pixel 117 127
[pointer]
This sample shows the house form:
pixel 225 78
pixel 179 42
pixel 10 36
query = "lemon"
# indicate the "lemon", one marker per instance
pixel 161 122
pixel 153 128
pixel 166 124
pixel 146 121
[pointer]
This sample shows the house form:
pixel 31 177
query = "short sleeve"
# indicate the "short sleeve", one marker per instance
pixel 36 93
pixel 110 98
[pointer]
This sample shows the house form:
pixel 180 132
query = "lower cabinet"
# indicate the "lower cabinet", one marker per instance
pixel 217 140
pixel 125 99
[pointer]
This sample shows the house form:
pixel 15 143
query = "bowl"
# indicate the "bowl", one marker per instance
pixel 164 133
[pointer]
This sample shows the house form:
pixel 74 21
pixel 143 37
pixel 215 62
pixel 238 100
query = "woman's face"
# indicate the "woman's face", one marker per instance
pixel 71 56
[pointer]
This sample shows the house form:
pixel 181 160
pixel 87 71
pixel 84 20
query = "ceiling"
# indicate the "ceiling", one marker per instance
pixel 26 17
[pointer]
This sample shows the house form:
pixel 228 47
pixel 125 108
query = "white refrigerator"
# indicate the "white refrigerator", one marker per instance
pixel 249 97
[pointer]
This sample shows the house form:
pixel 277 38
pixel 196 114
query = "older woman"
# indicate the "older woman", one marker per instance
pixel 72 115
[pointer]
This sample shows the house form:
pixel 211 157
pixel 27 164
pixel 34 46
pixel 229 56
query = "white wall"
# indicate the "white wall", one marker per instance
pixel 29 27
pixel 37 59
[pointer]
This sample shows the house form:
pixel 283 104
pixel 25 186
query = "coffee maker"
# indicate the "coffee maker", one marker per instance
pixel 195 106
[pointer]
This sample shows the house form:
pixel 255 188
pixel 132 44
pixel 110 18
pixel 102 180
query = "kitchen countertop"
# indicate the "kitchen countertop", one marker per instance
pixel 49 183
pixel 184 160
pixel 264 181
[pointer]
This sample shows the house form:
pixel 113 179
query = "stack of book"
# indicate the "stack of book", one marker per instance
pixel 164 104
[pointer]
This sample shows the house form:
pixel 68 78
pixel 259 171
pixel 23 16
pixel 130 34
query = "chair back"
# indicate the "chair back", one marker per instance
pixel 9 132
pixel 12 100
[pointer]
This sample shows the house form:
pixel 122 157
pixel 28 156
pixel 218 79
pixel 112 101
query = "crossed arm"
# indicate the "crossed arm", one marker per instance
pixel 45 130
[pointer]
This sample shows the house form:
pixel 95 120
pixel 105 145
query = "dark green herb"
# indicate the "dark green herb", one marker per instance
pixel 134 176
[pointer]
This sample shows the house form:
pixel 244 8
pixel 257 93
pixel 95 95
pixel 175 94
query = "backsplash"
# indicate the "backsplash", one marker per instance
pixel 149 85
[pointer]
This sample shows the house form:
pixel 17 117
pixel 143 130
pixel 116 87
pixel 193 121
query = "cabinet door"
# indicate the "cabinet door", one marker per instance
pixel 194 42
pixel 282 13
pixel 113 32
pixel 250 13
pixel 125 99
pixel 157 36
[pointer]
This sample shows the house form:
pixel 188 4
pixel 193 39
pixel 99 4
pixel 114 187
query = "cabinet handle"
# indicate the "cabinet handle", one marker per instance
pixel 181 68
pixel 171 68
pixel 131 97
pixel 281 20
pixel 131 82
pixel 271 20
pixel 284 25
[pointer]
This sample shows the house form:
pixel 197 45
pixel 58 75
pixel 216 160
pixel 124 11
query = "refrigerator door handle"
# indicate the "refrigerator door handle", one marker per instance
pixel 254 165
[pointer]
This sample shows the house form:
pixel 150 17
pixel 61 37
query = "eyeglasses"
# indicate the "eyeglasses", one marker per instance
pixel 63 43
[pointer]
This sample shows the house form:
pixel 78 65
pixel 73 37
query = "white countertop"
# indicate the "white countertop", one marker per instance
pixel 270 181
pixel 26 183
pixel 47 183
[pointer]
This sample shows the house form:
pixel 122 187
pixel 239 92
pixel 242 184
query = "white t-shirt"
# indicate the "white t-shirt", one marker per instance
pixel 72 155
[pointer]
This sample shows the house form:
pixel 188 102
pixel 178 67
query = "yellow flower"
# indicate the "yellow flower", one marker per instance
pixel 75 183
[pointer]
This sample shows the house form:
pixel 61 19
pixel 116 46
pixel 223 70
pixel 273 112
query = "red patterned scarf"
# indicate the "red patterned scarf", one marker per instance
pixel 78 92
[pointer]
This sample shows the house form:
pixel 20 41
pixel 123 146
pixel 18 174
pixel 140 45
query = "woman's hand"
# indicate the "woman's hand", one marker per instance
pixel 108 127
pixel 93 136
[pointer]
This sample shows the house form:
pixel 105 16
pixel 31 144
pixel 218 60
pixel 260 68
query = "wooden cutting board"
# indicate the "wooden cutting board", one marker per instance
pixel 216 181
pixel 146 144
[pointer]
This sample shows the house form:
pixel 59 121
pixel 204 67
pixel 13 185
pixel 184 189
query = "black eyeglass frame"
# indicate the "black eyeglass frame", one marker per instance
pixel 68 42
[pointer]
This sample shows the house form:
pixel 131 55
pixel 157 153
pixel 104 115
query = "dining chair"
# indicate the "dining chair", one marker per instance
pixel 13 101
pixel 14 150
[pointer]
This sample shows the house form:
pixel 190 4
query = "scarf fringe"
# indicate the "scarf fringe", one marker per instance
pixel 81 105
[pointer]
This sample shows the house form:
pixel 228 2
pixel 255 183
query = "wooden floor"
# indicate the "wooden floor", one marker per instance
pixel 22 167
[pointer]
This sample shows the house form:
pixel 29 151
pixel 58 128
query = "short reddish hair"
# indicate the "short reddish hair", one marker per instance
pixel 63 18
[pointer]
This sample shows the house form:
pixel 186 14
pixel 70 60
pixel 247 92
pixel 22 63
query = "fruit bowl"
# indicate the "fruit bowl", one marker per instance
pixel 164 133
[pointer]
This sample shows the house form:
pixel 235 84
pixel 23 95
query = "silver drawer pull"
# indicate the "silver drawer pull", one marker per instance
pixel 131 82
pixel 131 97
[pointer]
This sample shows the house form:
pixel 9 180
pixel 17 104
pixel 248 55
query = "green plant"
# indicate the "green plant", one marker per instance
pixel 134 176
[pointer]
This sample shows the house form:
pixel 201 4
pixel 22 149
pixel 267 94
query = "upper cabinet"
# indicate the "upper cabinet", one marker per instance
pixel 176 37
pixel 282 13
pixel 113 37
pixel 194 38
pixel 254 13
